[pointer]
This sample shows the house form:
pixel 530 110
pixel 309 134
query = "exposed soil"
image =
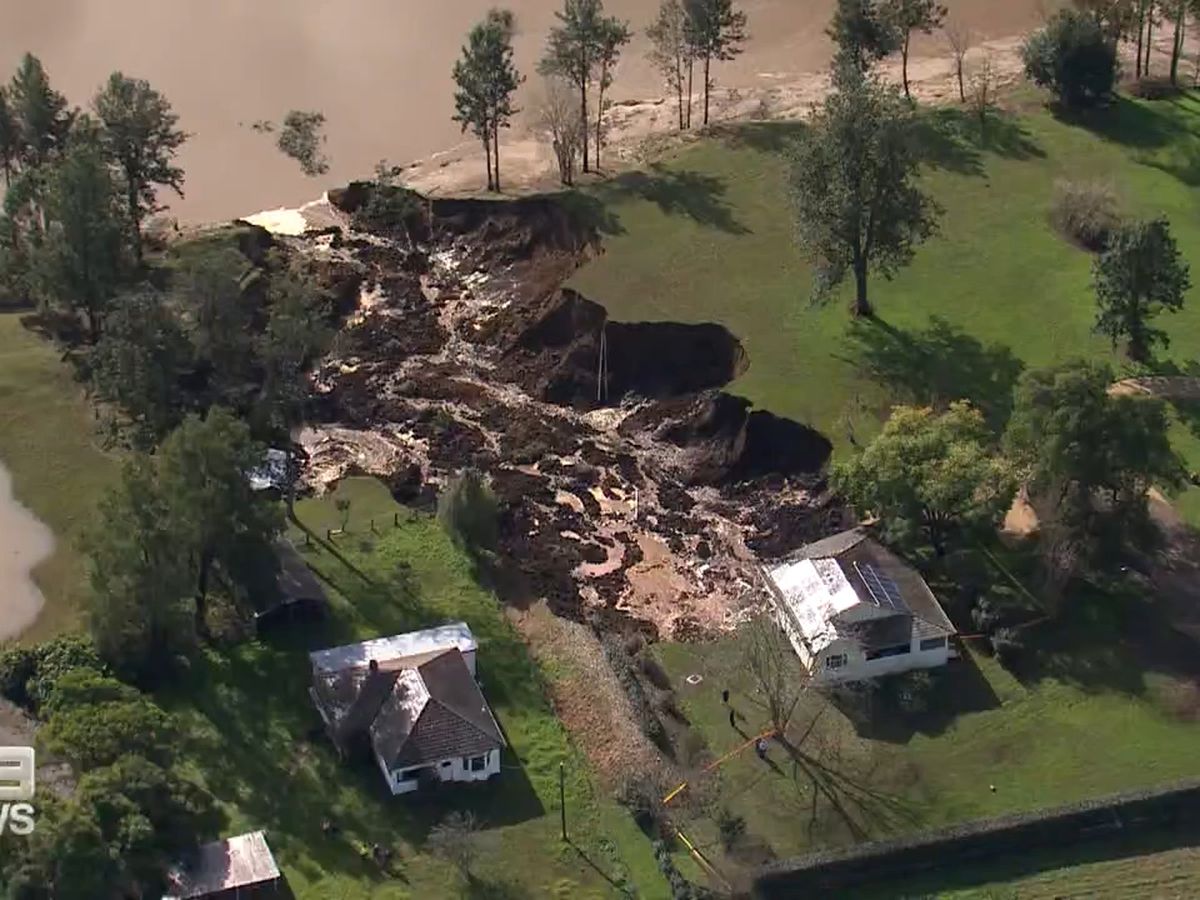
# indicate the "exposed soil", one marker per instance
pixel 634 492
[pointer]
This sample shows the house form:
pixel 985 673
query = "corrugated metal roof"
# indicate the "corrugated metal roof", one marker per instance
pixel 238 862
pixel 387 649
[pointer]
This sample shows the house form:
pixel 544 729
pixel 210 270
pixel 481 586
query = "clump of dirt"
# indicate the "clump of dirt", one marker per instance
pixel 633 496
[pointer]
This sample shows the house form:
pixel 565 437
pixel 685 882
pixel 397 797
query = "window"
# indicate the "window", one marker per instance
pixel 478 763
pixel 933 643
pixel 836 661
pixel 446 763
pixel 897 650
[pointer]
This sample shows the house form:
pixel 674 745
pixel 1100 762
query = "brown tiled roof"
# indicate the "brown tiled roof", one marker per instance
pixel 438 714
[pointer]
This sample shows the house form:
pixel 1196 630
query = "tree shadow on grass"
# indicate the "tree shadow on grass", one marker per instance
pixel 1127 122
pixel 687 194
pixel 764 137
pixel 935 366
pixel 951 139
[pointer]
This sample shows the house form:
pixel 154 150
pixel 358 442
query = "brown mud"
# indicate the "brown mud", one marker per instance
pixel 634 492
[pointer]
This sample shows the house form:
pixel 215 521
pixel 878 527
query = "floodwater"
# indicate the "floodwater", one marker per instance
pixel 26 541
pixel 378 69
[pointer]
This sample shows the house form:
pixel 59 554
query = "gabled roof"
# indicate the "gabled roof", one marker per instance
pixel 435 711
pixel 394 648
pixel 850 586
pixel 239 862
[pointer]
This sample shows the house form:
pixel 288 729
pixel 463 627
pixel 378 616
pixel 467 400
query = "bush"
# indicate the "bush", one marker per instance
pixel 388 207
pixel 17 666
pixel 1085 212
pixel 28 674
pixel 1007 644
pixel 642 795
pixel 654 672
pixel 1072 57
pixel 912 691
pixel 681 888
pixel 622 666
pixel 731 827
pixel 1155 88
pixel 467 509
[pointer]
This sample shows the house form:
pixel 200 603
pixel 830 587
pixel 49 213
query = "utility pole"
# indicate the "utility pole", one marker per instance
pixel 562 798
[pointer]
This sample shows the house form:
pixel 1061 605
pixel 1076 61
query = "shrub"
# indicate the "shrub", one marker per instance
pixel 1085 212
pixel 17 666
pixel 456 840
pixel 622 666
pixel 642 795
pixel 1072 57
pixel 1007 644
pixel 1155 88
pixel 731 827
pixel 681 888
pixel 28 674
pixel 912 691
pixel 467 509
pixel 388 207
pixel 654 672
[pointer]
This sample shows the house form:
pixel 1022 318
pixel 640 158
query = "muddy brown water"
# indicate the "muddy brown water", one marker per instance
pixel 26 541
pixel 378 69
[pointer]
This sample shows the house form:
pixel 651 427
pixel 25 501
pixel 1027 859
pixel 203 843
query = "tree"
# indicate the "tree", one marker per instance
pixel 468 511
pixel 81 262
pixel 486 79
pixel 983 93
pixel 856 203
pixel 94 735
pixel 1139 274
pixel 137 365
pixel 928 472
pixel 614 34
pixel 40 112
pixel 908 16
pixel 224 529
pixel 572 50
pixel 863 34
pixel 960 39
pixel 211 292
pixel 771 662
pixel 557 119
pixel 717 31
pixel 1087 457
pixel 10 137
pixel 456 840
pixel 140 134
pixel 1180 16
pixel 137 610
pixel 302 138
pixel 1072 57
pixel 670 49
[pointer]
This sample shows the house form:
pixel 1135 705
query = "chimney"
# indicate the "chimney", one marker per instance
pixel 373 666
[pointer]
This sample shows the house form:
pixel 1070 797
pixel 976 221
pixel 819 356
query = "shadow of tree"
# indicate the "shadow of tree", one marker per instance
pixel 935 366
pixel 764 137
pixel 690 194
pixel 951 139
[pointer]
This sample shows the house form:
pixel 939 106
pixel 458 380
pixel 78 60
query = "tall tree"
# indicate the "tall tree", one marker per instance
pixel 614 34
pixel 10 137
pixel 81 262
pixel 863 34
pixel 1180 16
pixel 1073 57
pixel 137 610
pixel 302 138
pixel 670 49
pixel 1088 457
pixel 486 79
pixel 930 473
pixel 771 662
pixel 1139 274
pixel 557 119
pixel 960 39
pixel 211 293
pixel 140 133
pixel 224 528
pixel 40 111
pixel 137 366
pixel 717 33
pixel 572 50
pixel 853 186
pixel 908 16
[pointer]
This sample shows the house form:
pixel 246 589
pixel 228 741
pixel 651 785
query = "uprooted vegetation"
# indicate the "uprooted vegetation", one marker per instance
pixel 633 492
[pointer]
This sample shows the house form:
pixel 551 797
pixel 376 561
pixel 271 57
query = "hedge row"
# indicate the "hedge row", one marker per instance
pixel 1174 806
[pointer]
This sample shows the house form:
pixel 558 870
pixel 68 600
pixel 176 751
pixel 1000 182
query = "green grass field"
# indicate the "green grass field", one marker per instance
pixel 707 236
pixel 59 470
pixel 248 723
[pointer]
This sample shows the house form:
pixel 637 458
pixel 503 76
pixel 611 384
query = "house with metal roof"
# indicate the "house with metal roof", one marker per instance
pixel 411 702
pixel 854 610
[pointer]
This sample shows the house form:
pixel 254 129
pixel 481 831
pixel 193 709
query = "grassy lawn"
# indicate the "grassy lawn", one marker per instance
pixel 250 736
pixel 47 442
pixel 707 236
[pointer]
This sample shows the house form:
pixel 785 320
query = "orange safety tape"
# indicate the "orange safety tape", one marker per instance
pixel 770 732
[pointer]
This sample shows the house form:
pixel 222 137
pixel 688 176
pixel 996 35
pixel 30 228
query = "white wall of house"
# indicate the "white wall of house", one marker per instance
pixel 479 768
pixel 854 666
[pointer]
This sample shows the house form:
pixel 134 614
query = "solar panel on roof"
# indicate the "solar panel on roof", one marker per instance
pixel 883 589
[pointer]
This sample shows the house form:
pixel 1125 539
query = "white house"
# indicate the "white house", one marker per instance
pixel 412 702
pixel 853 610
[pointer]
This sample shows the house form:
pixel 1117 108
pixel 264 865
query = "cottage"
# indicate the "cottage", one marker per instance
pixel 411 702
pixel 240 868
pixel 853 610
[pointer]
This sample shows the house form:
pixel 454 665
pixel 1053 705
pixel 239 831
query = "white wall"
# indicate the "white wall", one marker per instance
pixel 454 769
pixel 858 667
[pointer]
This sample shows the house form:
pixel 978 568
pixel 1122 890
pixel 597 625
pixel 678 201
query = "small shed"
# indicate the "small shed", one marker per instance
pixel 240 868
pixel 299 596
